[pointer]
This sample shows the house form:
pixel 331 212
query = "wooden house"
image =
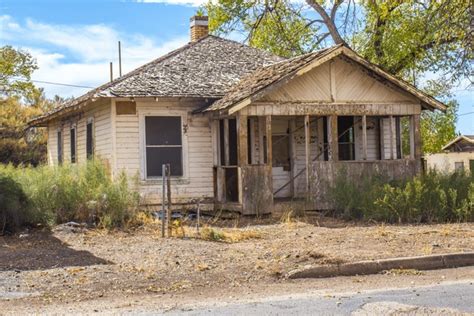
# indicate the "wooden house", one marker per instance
pixel 457 155
pixel 243 128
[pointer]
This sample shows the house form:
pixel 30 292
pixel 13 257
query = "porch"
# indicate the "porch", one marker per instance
pixel 263 158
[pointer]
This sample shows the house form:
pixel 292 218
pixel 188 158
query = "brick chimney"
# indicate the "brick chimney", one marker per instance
pixel 199 27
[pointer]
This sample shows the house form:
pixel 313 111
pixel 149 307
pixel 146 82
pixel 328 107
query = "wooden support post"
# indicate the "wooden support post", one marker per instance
pixel 215 142
pixel 163 200
pixel 226 142
pixel 261 150
pixel 364 137
pixel 251 136
pixel 168 191
pixel 381 138
pixel 307 148
pixel 333 138
pixel 242 140
pixel 292 128
pixel 392 137
pixel 268 132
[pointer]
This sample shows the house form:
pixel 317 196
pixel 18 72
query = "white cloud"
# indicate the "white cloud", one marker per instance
pixel 80 55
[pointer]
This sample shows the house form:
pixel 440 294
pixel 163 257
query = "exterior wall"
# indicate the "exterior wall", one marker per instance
pixel 100 113
pixel 197 181
pixel 444 162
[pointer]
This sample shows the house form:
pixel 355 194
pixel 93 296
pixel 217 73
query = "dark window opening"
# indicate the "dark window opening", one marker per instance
pixel 281 151
pixel 73 145
pixel 231 185
pixel 60 147
pixel 89 141
pixel 325 139
pixel 345 132
pixel 163 145
pixel 232 142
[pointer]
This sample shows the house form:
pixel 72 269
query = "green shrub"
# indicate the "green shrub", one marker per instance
pixel 84 193
pixel 13 205
pixel 433 197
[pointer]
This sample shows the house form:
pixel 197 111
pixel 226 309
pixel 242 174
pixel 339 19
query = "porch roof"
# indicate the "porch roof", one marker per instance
pixel 262 81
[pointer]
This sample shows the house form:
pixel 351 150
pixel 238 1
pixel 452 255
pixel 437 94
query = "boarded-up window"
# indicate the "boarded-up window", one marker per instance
pixel 73 145
pixel 126 107
pixel 60 147
pixel 90 140
pixel 163 145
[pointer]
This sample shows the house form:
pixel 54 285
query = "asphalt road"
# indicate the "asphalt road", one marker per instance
pixel 444 299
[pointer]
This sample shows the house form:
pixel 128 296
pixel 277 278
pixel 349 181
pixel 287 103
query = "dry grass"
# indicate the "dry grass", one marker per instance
pixel 228 235
pixel 403 272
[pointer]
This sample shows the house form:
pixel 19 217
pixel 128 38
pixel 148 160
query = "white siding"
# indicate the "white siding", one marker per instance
pixel 197 181
pixel 100 112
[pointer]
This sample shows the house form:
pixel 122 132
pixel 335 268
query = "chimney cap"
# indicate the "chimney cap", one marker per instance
pixel 200 20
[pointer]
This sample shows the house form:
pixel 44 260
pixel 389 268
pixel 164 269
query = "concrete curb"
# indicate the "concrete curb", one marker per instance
pixel 431 262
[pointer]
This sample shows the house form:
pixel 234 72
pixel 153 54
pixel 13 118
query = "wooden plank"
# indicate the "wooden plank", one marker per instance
pixel 381 138
pixel 364 137
pixel 215 141
pixel 417 136
pixel 292 128
pixel 307 150
pixel 226 142
pixel 268 132
pixel 242 140
pixel 392 137
pixel 333 138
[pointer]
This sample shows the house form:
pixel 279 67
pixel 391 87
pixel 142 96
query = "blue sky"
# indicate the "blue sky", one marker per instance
pixel 74 41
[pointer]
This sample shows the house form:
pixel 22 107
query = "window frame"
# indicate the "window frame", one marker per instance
pixel 90 120
pixel 162 112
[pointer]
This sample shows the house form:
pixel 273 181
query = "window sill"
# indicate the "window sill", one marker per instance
pixel 159 181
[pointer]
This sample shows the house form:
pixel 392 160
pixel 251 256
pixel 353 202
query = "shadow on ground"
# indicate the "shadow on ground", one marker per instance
pixel 41 250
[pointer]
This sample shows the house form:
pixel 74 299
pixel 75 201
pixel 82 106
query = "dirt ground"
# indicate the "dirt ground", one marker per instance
pixel 68 266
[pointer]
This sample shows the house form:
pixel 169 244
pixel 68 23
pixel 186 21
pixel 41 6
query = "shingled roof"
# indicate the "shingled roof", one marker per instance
pixel 260 82
pixel 207 68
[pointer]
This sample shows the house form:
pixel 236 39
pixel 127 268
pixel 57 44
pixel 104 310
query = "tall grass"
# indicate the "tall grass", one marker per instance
pixel 428 198
pixel 84 193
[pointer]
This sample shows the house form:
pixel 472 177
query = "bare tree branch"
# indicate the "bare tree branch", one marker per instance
pixel 328 21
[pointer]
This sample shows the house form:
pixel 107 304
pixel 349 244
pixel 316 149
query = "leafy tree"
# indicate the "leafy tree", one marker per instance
pixel 16 67
pixel 410 38
pixel 20 101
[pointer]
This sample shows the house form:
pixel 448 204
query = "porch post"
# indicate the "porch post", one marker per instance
pixel 292 129
pixel 261 143
pixel 268 128
pixel 307 139
pixel 364 137
pixel 412 137
pixel 226 142
pixel 333 138
pixel 242 141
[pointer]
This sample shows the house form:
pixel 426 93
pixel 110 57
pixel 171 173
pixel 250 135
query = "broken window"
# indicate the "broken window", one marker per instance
pixel 163 145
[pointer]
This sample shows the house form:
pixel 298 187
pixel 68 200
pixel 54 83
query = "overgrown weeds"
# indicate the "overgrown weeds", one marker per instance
pixel 428 198
pixel 84 193
pixel 228 235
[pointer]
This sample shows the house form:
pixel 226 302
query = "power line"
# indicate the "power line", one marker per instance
pixel 467 113
pixel 61 84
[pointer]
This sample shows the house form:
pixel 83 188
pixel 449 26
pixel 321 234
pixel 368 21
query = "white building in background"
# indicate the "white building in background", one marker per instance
pixel 458 155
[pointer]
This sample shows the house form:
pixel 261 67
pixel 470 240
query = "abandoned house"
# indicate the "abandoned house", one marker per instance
pixel 242 128
pixel 457 155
